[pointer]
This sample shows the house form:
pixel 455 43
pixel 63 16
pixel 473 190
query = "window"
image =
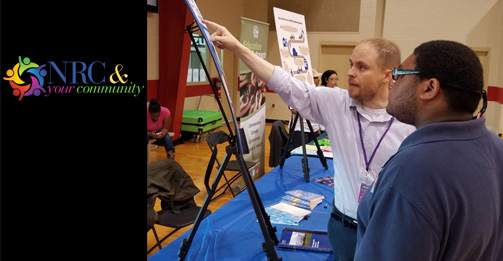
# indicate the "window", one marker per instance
pixel 196 72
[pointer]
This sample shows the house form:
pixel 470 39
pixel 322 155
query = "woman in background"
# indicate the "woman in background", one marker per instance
pixel 157 127
pixel 329 79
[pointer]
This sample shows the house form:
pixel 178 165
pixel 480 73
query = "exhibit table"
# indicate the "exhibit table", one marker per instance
pixel 233 233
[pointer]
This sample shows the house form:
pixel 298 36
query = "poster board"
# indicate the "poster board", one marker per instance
pixel 293 44
pixel 198 18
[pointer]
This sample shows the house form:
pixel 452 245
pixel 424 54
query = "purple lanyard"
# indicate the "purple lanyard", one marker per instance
pixel 367 162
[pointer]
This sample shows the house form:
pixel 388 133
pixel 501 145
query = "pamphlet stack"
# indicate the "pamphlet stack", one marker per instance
pixel 293 207
pixel 302 199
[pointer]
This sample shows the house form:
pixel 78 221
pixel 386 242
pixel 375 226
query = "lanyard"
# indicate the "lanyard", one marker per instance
pixel 367 162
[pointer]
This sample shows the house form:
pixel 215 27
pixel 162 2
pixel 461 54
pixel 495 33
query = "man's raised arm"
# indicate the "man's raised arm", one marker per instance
pixel 223 39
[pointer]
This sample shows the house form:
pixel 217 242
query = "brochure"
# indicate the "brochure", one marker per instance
pixel 298 239
pixel 285 214
pixel 294 201
pixel 304 195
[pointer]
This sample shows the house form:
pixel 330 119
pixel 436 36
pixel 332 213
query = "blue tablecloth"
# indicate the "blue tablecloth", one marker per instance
pixel 233 233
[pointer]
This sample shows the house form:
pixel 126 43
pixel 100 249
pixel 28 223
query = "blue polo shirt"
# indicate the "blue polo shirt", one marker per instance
pixel 440 197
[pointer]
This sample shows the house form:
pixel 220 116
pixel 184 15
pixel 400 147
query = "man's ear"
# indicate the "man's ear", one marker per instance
pixel 387 76
pixel 430 89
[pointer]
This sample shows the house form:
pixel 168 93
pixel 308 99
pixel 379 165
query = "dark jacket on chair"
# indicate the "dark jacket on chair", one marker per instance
pixel 277 139
pixel 169 182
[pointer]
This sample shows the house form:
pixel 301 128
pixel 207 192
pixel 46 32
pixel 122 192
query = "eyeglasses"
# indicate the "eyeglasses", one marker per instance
pixel 333 79
pixel 396 73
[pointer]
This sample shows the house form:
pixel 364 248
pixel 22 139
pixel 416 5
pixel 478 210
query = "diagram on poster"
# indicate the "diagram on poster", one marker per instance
pixel 293 45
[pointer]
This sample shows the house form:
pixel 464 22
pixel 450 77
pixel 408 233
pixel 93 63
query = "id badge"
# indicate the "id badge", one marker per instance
pixel 363 188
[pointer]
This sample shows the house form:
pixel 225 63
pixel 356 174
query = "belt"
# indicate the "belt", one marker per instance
pixel 345 220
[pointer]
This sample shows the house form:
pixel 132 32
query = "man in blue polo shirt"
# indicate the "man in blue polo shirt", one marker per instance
pixel 440 197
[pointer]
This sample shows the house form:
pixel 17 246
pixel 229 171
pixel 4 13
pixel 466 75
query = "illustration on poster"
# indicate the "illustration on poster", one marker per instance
pixel 293 47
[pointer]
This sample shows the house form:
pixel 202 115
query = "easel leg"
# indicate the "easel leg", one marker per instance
pixel 318 148
pixel 289 142
pixel 265 225
pixel 269 232
pixel 305 161
pixel 184 248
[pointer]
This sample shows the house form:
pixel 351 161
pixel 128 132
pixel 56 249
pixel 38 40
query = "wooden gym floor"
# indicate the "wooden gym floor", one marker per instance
pixel 194 158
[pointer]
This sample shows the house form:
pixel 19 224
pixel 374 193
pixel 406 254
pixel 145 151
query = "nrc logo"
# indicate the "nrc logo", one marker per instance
pixel 77 72
pixel 28 78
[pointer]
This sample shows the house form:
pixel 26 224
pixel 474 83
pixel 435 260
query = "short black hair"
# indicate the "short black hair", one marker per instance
pixel 457 68
pixel 326 75
pixel 154 106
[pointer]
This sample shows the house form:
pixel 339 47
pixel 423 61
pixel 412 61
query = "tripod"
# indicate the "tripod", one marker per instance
pixel 305 163
pixel 237 146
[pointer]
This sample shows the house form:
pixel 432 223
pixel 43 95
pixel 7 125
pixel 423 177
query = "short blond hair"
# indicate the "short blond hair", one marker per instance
pixel 388 52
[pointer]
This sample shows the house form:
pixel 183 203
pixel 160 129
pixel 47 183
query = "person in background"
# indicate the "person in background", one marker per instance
pixel 157 127
pixel 362 134
pixel 316 77
pixel 297 134
pixel 440 197
pixel 329 79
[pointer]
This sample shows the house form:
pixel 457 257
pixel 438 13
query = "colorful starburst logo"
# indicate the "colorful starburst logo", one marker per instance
pixel 26 78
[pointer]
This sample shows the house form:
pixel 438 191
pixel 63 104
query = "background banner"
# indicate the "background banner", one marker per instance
pixel 254 36
pixel 252 94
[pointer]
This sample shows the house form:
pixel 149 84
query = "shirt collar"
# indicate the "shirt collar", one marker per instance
pixel 357 105
pixel 444 131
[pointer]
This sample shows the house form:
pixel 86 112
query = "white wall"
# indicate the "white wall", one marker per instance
pixel 477 24
pixel 152 46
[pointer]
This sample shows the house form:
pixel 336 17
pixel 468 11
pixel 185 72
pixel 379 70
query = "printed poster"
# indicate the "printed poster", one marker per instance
pixel 252 93
pixel 293 45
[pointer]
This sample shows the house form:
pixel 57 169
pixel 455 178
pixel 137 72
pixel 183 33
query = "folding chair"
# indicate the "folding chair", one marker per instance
pixel 168 181
pixel 167 218
pixel 219 137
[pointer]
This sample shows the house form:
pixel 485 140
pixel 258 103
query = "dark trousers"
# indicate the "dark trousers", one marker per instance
pixel 342 238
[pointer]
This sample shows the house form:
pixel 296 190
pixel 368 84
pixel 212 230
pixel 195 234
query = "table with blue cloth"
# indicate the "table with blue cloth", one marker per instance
pixel 233 233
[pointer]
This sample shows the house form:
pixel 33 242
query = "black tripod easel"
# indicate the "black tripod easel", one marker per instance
pixel 237 146
pixel 305 163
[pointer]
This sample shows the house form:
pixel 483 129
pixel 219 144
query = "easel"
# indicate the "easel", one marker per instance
pixel 237 146
pixel 305 163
